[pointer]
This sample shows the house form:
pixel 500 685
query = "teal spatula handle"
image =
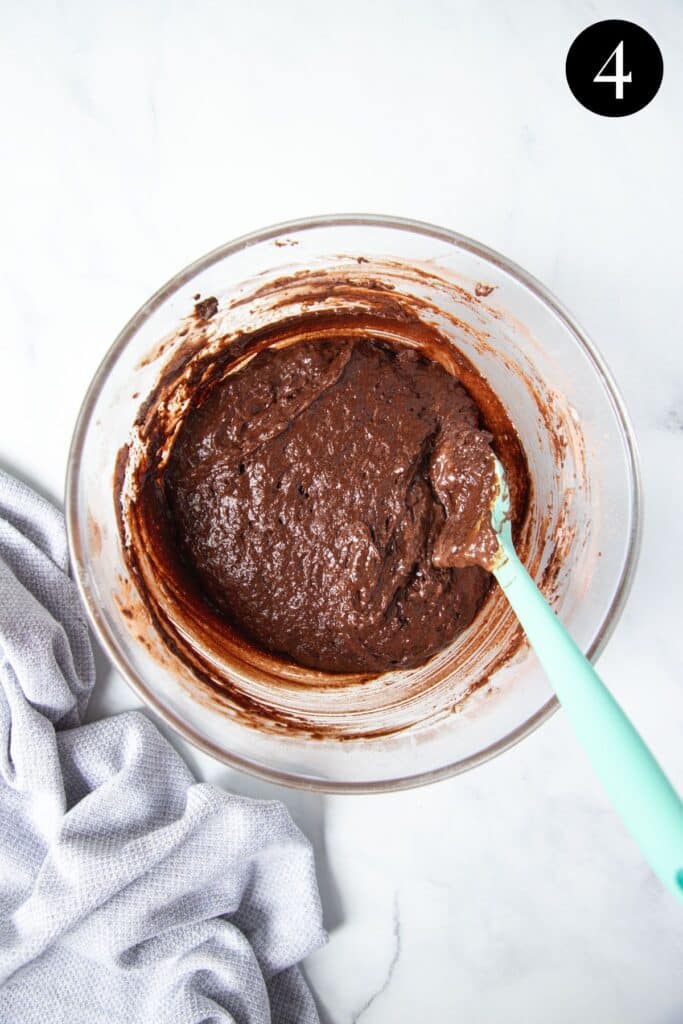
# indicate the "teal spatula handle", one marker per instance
pixel 636 785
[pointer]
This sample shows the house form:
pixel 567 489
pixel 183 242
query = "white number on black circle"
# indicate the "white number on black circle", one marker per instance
pixel 619 78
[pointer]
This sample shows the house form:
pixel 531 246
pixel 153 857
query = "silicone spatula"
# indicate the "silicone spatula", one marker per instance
pixel 634 781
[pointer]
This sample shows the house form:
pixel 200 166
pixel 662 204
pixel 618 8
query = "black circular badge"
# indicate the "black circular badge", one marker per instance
pixel 614 68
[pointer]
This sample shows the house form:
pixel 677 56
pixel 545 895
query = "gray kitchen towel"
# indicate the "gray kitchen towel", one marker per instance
pixel 128 892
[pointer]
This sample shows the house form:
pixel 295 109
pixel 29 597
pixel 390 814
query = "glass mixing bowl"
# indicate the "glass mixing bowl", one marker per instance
pixel 581 538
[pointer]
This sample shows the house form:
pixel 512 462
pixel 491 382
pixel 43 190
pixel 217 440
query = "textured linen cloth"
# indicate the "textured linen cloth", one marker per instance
pixel 128 892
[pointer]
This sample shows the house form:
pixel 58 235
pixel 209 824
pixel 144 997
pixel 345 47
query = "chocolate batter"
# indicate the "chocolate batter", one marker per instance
pixel 309 492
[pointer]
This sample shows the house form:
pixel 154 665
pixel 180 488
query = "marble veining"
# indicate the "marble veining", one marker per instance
pixel 395 954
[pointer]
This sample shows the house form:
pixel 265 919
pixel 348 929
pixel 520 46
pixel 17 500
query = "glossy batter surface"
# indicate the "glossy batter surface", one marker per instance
pixel 308 494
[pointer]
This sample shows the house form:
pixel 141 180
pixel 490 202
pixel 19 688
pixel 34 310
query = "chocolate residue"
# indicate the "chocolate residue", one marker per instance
pixel 206 308
pixel 95 531
pixel 481 290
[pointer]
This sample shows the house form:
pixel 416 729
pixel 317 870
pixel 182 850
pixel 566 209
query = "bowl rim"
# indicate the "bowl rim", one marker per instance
pixel 78 563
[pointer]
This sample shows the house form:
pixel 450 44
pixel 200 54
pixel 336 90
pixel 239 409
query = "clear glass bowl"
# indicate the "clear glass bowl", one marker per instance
pixel 581 539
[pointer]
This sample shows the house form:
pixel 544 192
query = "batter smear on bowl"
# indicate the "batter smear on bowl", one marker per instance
pixel 310 491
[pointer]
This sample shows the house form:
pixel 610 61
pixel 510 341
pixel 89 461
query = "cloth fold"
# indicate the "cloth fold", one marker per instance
pixel 128 892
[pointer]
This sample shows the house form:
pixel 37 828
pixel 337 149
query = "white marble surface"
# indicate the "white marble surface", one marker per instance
pixel 136 136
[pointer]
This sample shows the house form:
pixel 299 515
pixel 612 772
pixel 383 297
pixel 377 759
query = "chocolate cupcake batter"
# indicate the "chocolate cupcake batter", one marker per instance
pixel 309 492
